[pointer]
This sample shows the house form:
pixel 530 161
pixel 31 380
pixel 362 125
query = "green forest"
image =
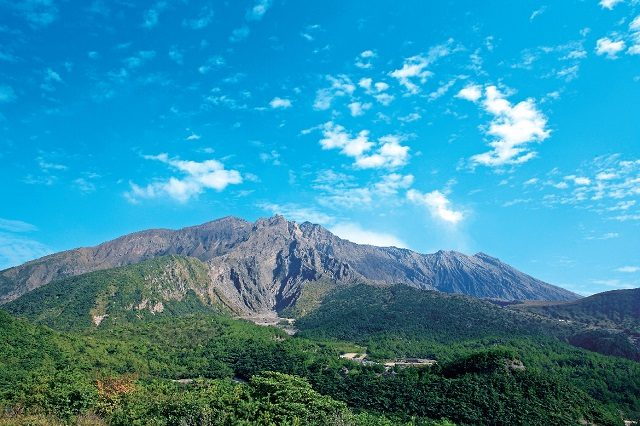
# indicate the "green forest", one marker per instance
pixel 208 368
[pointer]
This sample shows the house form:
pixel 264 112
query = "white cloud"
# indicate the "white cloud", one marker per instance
pixel 340 86
pixel 392 183
pixel 513 129
pixel 356 234
pixel 202 21
pixel 578 180
pixel 16 226
pixel 628 269
pixel 608 47
pixel 197 176
pixel 151 16
pixel 364 59
pixel 16 249
pixel 609 4
pixel 140 59
pixel 239 34
pixel 297 213
pixel 605 236
pixel 472 93
pixel 438 204
pixel 537 13
pixel 605 185
pixel 259 9
pixel 389 154
pixel 634 28
pixel 358 108
pixel 414 68
pixel 280 103
pixel 411 117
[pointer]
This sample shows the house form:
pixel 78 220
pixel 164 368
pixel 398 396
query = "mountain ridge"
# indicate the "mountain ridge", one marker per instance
pixel 262 266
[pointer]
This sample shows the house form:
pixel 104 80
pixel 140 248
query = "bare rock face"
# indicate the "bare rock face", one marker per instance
pixel 264 265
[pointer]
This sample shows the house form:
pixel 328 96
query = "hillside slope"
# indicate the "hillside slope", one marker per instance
pixel 171 285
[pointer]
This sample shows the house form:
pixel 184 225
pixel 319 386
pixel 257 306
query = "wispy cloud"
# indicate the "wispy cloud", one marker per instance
pixel 608 185
pixel 7 94
pixel 38 13
pixel 16 226
pixel 340 86
pixel 16 248
pixel 151 16
pixel 628 269
pixel 202 21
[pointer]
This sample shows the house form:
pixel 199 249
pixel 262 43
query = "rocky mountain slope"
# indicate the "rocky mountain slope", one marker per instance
pixel 263 266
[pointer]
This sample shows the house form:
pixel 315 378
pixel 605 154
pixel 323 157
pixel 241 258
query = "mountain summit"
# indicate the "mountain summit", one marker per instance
pixel 264 266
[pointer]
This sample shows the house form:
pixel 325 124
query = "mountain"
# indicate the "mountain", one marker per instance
pixel 263 266
pixel 609 321
pixel 612 309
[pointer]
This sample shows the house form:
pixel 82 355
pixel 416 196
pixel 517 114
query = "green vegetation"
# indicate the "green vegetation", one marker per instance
pixel 120 295
pixel 192 364
pixel 618 309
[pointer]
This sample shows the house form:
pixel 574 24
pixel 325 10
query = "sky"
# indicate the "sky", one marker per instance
pixel 510 128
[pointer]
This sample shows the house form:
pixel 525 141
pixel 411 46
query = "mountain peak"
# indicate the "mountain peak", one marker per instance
pixel 266 265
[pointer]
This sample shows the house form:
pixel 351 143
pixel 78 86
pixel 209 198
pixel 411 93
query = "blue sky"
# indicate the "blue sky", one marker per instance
pixel 505 127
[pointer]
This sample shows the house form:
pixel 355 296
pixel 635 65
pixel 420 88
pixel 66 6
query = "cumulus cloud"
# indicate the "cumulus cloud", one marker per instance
pixel 389 153
pixel 196 177
pixel 438 205
pixel 258 10
pixel 609 4
pixel 340 86
pixel 413 69
pixel 358 108
pixel 364 59
pixel 609 48
pixel 356 234
pixel 472 93
pixel 280 103
pixel 513 128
